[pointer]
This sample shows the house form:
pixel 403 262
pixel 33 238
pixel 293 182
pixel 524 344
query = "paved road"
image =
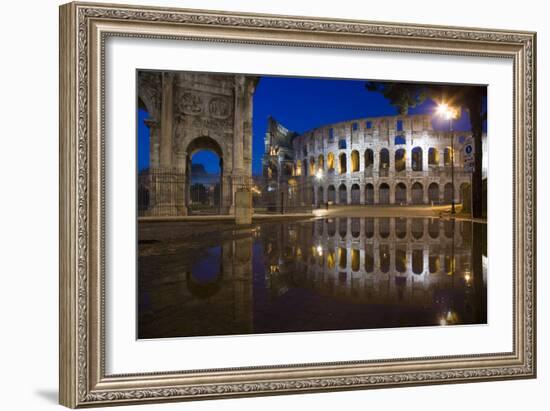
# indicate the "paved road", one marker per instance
pixel 335 211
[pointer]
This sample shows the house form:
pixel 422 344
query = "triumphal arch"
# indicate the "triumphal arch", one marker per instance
pixel 189 112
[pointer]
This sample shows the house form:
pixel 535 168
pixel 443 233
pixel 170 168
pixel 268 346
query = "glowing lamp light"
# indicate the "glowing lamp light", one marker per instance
pixel 319 250
pixel 319 174
pixel 446 111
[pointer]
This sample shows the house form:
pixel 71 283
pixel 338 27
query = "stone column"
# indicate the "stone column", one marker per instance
pixel 375 162
pixel 165 180
pixel 154 142
pixel 250 85
pixel 182 174
pixel 167 118
pixel 238 148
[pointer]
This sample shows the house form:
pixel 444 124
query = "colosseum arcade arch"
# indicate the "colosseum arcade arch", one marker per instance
pixel 192 111
pixel 384 193
pixel 342 194
pixel 417 193
pixel 355 194
pixel 354 161
pixel 433 193
pixel 331 194
pixel 400 193
pixel 384 164
pixel 369 194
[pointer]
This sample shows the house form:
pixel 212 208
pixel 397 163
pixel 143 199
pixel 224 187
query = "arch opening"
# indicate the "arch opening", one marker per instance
pixel 416 159
pixel 204 177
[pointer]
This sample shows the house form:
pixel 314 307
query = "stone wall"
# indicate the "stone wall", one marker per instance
pixel 191 112
pixel 378 160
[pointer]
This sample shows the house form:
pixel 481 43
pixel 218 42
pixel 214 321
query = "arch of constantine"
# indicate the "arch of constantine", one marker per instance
pixel 189 112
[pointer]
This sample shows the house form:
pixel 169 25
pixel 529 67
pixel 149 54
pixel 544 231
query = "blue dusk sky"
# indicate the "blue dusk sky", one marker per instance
pixel 301 104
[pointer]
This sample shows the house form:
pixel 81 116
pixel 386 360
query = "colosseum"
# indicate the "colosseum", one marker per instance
pixel 375 160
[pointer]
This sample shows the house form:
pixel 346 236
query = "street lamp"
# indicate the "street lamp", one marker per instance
pixel 448 112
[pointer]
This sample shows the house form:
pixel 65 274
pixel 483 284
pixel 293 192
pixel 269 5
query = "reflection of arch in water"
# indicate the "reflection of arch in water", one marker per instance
pixel 434 260
pixel 355 227
pixel 417 261
pixel 331 260
pixel 400 228
pixel 343 227
pixel 204 279
pixel 417 228
pixel 342 257
pixel 331 227
pixel 384 257
pixel 355 259
pixel 449 228
pixel 369 258
pixel 433 227
pixel 384 227
pixel 449 262
pixel 369 227
pixel 400 258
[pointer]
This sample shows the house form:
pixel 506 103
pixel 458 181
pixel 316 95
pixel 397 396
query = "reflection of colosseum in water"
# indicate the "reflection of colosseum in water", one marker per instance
pixel 310 275
pixel 378 160
pixel 416 263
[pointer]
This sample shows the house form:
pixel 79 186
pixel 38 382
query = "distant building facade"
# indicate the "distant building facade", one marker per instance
pixel 375 160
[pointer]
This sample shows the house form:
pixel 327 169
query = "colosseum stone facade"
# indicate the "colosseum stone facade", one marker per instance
pixel 375 160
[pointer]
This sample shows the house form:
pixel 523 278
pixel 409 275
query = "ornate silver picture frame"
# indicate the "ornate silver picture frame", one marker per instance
pixel 84 30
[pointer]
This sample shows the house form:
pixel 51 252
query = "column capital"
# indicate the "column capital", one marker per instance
pixel 151 122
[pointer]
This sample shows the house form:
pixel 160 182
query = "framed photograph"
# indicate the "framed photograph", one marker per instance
pixel 259 204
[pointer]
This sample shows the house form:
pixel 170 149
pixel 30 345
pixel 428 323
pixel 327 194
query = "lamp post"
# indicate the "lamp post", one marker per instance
pixel 449 112
pixel 319 178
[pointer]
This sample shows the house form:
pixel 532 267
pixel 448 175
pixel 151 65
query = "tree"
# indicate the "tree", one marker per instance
pixel 404 96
